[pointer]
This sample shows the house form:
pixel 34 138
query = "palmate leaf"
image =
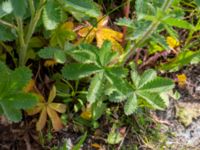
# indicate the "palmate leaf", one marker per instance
pixel 106 54
pixel 147 76
pixel 12 96
pixel 158 85
pixel 121 85
pixel 96 88
pixel 153 99
pixel 76 71
pixel 131 104
pixel 178 23
pixel 116 97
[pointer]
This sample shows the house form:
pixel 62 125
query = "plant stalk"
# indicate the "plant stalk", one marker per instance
pixel 153 26
pixel 31 28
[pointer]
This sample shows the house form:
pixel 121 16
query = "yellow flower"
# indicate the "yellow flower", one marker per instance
pixel 50 63
pixel 181 80
pixel 86 114
pixel 172 42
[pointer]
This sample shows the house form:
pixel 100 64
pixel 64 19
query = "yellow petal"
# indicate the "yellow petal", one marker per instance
pixel 50 63
pixel 52 94
pixel 102 21
pixel 42 120
pixel 172 42
pixel 88 33
pixel 55 119
pixel 96 145
pixel 34 110
pixel 87 114
pixel 110 35
pixel 181 80
pixel 61 108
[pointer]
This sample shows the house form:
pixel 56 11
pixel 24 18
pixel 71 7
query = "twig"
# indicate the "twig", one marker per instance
pixel 8 24
pixel 121 143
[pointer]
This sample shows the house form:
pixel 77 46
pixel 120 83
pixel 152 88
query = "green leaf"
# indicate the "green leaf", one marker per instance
pixel 121 85
pixel 19 7
pixel 11 113
pixel 20 77
pixel 135 77
pixel 5 8
pixel 116 97
pixel 51 15
pixel 12 96
pixel 80 142
pixel 6 34
pixel 131 104
pixel 153 99
pixel 158 85
pixel 21 100
pixel 80 9
pixel 118 71
pixel 76 71
pixel 98 108
pixel 53 53
pixel 114 137
pixel 127 22
pixel 184 58
pixel 147 76
pixel 106 54
pixel 85 54
pixel 96 88
pixel 178 23
pixel 197 2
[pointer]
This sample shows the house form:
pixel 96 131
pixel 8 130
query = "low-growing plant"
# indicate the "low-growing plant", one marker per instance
pixel 91 63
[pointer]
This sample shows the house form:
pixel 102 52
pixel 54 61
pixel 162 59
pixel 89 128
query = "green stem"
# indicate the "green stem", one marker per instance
pixel 22 48
pixel 190 36
pixel 153 26
pixel 31 28
pixel 32 7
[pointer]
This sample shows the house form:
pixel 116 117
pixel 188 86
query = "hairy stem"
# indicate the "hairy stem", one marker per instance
pixel 153 26
pixel 31 28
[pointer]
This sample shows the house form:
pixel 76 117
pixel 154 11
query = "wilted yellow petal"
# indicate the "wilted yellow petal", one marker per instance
pixel 52 94
pixel 172 42
pixel 68 25
pixel 87 114
pixel 55 119
pixel 181 80
pixel 102 21
pixel 34 110
pixel 42 120
pixel 96 145
pixel 50 63
pixel 61 108
pixel 88 33
pixel 30 86
pixel 110 35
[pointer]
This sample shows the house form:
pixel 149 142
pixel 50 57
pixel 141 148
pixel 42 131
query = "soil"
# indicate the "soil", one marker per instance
pixel 184 115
